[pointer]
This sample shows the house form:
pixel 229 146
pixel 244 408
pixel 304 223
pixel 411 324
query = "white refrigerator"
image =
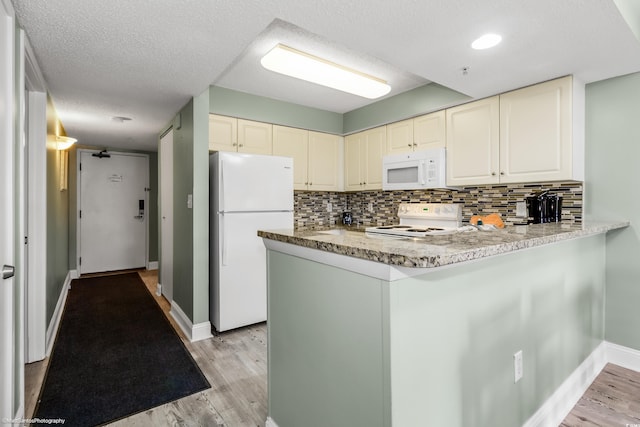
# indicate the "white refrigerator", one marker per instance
pixel 248 193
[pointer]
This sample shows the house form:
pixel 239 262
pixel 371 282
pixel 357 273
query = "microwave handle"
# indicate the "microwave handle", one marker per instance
pixel 422 171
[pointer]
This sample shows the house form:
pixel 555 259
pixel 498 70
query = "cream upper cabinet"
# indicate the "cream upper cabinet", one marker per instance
pixel 325 161
pixel 536 133
pixel 317 157
pixel 420 133
pixel 292 142
pixel 400 137
pixel 255 137
pixel 363 159
pixel 429 131
pixel 223 133
pixel 472 142
pixel 243 136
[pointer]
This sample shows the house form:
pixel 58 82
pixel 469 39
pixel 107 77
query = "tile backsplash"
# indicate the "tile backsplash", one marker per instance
pixel 380 207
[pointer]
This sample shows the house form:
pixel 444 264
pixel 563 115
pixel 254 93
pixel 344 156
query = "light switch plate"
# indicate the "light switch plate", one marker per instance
pixel 189 201
pixel 521 209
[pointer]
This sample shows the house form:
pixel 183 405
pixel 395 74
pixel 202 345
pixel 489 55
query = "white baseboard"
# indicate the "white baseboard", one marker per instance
pixel 193 332
pixel 158 289
pixel 153 265
pixel 270 423
pixel 562 401
pixel 52 330
pixel 623 356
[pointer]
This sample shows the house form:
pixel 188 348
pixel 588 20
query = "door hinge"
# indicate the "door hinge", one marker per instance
pixel 80 261
pixel 80 214
pixel 80 167
pixel 26 240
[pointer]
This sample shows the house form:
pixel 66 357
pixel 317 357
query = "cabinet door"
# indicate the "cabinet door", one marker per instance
pixel 473 143
pixel 376 144
pixel 292 142
pixel 353 161
pixel 223 133
pixel 324 161
pixel 255 137
pixel 429 131
pixel 535 133
pixel 400 137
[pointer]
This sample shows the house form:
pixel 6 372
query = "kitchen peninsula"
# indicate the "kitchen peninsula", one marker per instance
pixel 366 331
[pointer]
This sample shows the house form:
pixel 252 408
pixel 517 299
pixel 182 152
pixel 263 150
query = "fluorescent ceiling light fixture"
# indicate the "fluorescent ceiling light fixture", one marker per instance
pixel 294 63
pixel 486 41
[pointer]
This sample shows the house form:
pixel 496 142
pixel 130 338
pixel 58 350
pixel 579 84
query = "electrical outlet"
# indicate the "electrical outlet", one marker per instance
pixel 370 207
pixel 521 209
pixel 517 366
pixel 329 207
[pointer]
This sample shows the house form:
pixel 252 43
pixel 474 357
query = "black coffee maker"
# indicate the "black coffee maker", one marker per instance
pixel 543 207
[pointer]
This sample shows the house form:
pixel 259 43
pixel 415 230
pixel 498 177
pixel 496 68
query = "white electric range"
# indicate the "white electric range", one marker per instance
pixel 422 219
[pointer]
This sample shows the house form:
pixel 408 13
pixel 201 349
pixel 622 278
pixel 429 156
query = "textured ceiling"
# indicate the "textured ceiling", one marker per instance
pixel 145 59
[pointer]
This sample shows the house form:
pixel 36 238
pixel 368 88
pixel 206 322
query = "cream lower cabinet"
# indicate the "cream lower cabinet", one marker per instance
pixel 243 136
pixel 363 159
pixel 316 157
pixel 532 134
pixel 473 138
pixel 420 133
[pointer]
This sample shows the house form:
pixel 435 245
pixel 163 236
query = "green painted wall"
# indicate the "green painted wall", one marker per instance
pixel 424 99
pixel 201 208
pixel 183 166
pixel 232 103
pixel 73 201
pixel 611 191
pixel 191 226
pixel 421 100
pixel 57 233
pixel 436 349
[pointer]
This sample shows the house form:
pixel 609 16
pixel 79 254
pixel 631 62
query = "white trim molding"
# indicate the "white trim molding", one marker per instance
pixel 270 423
pixel 555 409
pixel 197 332
pixel 52 330
pixel 623 356
pixel 153 265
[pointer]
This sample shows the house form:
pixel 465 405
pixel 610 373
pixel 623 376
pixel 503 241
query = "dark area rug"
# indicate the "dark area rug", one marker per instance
pixel 115 355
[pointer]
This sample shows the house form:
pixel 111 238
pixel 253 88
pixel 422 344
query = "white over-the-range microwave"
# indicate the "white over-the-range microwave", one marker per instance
pixel 414 171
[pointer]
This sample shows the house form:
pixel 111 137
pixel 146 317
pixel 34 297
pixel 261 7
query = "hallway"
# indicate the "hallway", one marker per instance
pixel 235 364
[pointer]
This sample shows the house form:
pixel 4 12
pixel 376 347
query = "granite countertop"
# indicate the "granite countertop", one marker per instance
pixel 437 250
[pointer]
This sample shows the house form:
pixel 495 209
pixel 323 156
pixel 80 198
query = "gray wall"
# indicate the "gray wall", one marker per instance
pixel 611 191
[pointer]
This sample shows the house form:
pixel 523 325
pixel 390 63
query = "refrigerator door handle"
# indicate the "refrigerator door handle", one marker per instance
pixel 223 241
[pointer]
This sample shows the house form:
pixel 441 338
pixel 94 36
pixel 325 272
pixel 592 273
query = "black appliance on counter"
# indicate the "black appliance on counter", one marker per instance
pixel 543 207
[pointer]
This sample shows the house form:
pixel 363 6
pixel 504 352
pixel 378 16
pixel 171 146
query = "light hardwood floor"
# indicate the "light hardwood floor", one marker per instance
pixel 612 400
pixel 235 363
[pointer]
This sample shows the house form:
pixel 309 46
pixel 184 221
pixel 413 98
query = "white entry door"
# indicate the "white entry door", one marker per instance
pixel 166 215
pixel 113 209
pixel 10 308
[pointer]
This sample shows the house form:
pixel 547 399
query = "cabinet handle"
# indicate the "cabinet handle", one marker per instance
pixel 311 183
pixel 493 174
pixel 408 145
pixel 235 144
pixel 415 145
pixel 240 145
pixel 501 173
pixel 306 183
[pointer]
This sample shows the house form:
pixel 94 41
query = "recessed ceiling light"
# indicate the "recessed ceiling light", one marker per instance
pixel 301 65
pixel 486 41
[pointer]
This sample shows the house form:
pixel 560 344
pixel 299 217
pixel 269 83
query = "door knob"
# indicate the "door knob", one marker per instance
pixel 8 271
